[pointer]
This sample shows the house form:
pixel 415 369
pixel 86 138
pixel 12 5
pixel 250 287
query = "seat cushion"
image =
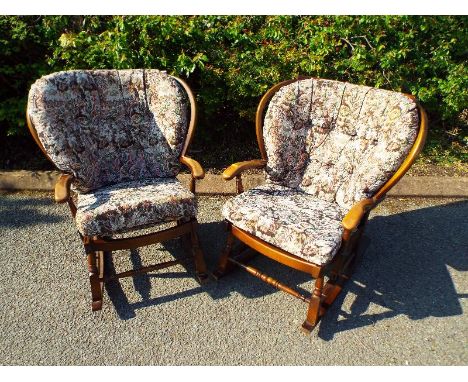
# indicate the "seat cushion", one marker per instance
pixel 131 205
pixel 289 219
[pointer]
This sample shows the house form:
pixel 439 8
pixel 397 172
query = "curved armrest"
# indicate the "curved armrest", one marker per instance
pixel 62 188
pixel 235 169
pixel 355 214
pixel 195 168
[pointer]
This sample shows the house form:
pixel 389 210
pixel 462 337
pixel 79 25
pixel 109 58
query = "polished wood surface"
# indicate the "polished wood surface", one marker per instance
pixel 239 185
pixel 269 280
pixel 237 168
pixel 149 268
pixel 200 266
pixel 355 214
pixel 313 312
pixel 224 266
pixel 100 244
pixel 62 188
pixel 95 282
pixel 195 168
pixel 193 115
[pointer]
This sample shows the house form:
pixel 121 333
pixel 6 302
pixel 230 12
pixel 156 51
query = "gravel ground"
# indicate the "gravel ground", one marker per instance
pixel 406 304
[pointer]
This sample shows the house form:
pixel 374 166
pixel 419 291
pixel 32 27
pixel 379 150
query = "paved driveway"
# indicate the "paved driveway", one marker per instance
pixel 407 302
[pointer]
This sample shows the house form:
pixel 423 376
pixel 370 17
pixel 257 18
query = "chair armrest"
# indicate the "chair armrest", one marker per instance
pixel 62 188
pixel 195 168
pixel 235 169
pixel 356 213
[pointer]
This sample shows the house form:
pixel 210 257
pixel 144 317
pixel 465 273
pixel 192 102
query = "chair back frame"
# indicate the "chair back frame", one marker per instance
pixel 190 129
pixel 404 167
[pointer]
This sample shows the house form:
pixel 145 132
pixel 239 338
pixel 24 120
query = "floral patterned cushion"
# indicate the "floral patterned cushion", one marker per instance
pixel 290 219
pixel 138 204
pixel 337 141
pixel 110 126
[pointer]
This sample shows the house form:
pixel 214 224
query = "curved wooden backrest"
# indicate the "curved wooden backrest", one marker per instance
pixel 33 132
pixel 190 129
pixel 259 116
pixel 404 167
pixel 193 115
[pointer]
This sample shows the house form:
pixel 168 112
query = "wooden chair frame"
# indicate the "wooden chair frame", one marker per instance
pixel 97 248
pixel 340 268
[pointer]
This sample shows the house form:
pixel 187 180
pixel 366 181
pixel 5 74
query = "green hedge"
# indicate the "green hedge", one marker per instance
pixel 230 61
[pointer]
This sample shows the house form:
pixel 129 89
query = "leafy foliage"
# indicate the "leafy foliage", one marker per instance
pixel 230 61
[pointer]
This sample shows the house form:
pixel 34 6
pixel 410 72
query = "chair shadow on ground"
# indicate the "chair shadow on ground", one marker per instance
pixel 14 214
pixel 403 269
pixel 142 283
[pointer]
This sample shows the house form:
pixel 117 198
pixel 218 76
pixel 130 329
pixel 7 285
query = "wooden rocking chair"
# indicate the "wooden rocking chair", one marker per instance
pixel 331 151
pixel 119 137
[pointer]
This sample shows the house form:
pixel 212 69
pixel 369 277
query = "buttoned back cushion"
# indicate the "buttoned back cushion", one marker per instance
pixel 110 126
pixel 337 141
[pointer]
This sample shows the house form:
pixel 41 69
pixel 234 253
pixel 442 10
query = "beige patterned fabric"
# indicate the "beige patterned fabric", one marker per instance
pixel 110 126
pixel 337 141
pixel 289 219
pixel 133 205
pixel 329 145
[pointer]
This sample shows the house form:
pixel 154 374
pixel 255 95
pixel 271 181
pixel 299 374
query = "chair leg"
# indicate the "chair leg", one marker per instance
pixel 101 258
pixel 341 272
pixel 96 284
pixel 100 263
pixel 224 266
pixel 185 239
pixel 200 266
pixel 313 313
